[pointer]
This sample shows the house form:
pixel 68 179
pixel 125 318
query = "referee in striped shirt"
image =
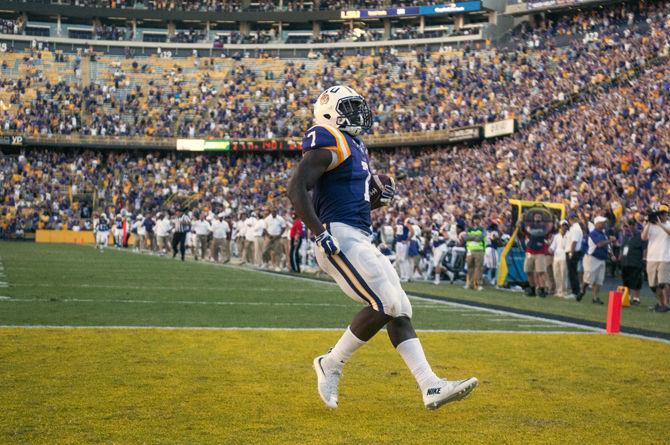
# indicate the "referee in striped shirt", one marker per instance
pixel 182 224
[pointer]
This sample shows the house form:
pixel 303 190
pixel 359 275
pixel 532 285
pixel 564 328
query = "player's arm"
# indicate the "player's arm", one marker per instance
pixel 312 166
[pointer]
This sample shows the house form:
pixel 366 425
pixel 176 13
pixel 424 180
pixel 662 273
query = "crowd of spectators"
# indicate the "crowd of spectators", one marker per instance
pixel 254 37
pixel 606 158
pixel 112 32
pixel 350 34
pixel 188 36
pixel 407 32
pixel 607 153
pixel 411 92
pixel 236 5
pixel 276 5
pixel 171 5
pixel 12 26
pixel 375 4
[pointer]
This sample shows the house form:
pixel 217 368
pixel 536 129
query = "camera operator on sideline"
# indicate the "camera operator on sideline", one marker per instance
pixel 657 232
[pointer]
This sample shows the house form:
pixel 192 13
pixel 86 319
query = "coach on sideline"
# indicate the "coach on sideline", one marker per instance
pixel 163 228
pixel 274 227
pixel 220 242
pixel 202 230
pixel 574 253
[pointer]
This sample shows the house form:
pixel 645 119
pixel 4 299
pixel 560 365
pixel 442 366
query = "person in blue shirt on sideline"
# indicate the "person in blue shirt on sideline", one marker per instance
pixel 594 260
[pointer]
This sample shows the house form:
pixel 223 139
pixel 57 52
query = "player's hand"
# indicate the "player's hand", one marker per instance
pixel 387 194
pixel 327 243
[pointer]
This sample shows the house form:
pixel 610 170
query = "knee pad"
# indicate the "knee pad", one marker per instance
pixel 396 302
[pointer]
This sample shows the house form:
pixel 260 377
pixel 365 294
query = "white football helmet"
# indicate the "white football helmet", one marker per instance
pixel 343 108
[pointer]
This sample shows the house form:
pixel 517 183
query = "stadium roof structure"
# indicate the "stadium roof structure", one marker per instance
pixel 52 9
pixel 537 6
pixel 72 27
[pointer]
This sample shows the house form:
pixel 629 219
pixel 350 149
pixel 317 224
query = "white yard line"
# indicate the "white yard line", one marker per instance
pixel 510 314
pixel 123 287
pixel 537 325
pixel 461 312
pixel 237 328
pixel 127 301
pixel 3 278
pixel 447 303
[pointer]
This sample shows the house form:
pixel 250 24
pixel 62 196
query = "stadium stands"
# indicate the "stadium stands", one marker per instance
pixel 233 5
pixel 264 97
pixel 592 87
pixel 584 156
pixel 8 26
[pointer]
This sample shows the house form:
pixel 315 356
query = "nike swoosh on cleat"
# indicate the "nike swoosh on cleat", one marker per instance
pixel 460 395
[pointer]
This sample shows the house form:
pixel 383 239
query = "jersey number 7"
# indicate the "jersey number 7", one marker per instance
pixel 366 194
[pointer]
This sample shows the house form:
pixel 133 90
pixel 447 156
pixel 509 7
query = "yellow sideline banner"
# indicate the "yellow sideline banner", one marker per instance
pixel 70 237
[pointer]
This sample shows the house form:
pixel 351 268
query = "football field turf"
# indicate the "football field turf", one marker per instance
pixel 149 350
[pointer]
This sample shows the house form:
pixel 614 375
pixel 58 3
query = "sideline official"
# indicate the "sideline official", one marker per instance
pixel 182 224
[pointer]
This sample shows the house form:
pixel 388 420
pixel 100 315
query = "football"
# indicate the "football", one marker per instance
pixel 377 185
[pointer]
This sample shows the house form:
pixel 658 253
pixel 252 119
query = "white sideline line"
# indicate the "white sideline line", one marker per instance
pixel 475 308
pixel 237 328
pixel 122 287
pixel 4 283
pixel 230 328
pixel 448 303
pixel 521 325
pixel 511 314
pixel 217 303
pixel 238 303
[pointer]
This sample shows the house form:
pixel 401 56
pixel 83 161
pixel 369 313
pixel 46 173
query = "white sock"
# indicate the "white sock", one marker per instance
pixel 412 352
pixel 345 346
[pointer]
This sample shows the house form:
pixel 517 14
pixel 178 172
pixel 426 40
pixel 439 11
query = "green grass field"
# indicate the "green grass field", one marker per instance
pixel 633 316
pixel 159 377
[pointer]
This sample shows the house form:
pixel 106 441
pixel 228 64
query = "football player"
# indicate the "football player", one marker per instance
pixel 335 168
pixel 101 230
pixel 439 246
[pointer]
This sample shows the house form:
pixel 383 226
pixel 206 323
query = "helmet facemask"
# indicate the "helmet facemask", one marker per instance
pixel 354 115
